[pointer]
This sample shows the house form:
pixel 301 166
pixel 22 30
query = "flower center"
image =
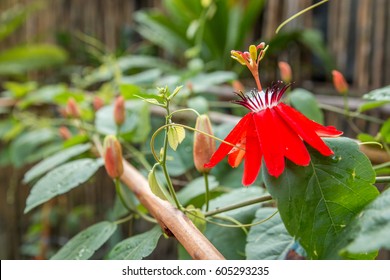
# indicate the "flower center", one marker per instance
pixel 260 100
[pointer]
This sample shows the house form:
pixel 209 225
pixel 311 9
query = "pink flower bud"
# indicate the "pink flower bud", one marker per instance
pixel 238 86
pixel 97 103
pixel 261 45
pixel 113 156
pixel 204 146
pixel 119 110
pixel 285 72
pixel 72 109
pixel 64 132
pixel 339 82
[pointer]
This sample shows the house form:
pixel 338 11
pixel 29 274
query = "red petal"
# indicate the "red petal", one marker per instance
pixel 253 155
pixel 270 141
pixel 234 137
pixel 304 127
pixel 235 158
pixel 326 131
pixel 294 148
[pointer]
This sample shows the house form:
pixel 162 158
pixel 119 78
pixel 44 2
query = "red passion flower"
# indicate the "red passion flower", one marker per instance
pixel 273 131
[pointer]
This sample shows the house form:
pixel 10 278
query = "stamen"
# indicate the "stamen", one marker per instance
pixel 260 100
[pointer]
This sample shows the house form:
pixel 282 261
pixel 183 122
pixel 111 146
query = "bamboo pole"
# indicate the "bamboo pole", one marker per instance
pixel 172 221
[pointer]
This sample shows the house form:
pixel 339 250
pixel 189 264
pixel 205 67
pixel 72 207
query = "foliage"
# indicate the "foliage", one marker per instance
pixel 207 30
pixel 318 203
pixel 20 59
pixel 330 209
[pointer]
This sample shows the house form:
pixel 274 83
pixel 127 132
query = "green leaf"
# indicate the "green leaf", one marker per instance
pixel 54 160
pixel 374 226
pixel 196 188
pixel 26 148
pixel 85 243
pixel 136 247
pixel 19 60
pixel 231 241
pixel 199 104
pixel 197 217
pixel 371 105
pixel 14 17
pixel 385 131
pixel 136 126
pixel 202 82
pixel 176 135
pixel 129 91
pixel 270 239
pixel 380 94
pixel 61 180
pixel 181 160
pixel 143 61
pixel 147 77
pixel 319 201
pixel 45 94
pixel 156 187
pixel 305 102
pixel 161 31
pixel 364 137
pixel 20 89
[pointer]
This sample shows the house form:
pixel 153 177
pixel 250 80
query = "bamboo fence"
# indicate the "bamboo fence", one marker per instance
pixel 356 32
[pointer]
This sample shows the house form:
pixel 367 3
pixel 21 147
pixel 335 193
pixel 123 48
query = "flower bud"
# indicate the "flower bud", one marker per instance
pixel 119 110
pixel 285 72
pixel 238 86
pixel 113 156
pixel 72 110
pixel 204 146
pixel 339 82
pixel 97 103
pixel 64 132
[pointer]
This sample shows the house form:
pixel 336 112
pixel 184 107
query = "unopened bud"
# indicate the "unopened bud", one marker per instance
pixel 97 103
pixel 204 146
pixel 119 110
pixel 339 82
pixel 261 45
pixel 238 86
pixel 285 72
pixel 64 132
pixel 72 109
pixel 113 156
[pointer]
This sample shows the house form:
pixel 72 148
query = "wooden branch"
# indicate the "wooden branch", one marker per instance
pixel 7 102
pixel 376 155
pixel 172 221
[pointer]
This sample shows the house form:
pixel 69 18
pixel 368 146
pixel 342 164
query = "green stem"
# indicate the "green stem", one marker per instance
pixel 184 110
pixel 139 155
pixel 207 193
pixel 351 114
pixel 131 208
pixel 118 130
pixel 163 161
pixel 234 222
pixel 125 219
pixel 298 14
pixel 238 205
pixel 382 165
pixel 120 195
pixel 384 179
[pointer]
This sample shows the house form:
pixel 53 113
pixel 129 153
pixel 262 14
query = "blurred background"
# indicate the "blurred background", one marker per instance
pixel 173 42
